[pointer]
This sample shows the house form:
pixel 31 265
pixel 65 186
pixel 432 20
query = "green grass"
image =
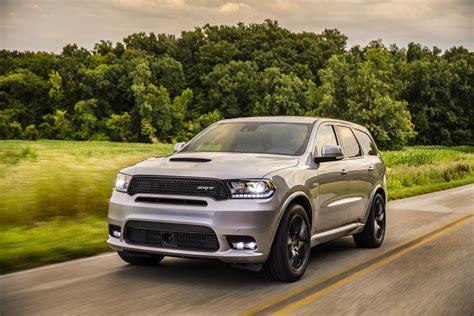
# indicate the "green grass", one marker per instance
pixel 419 170
pixel 53 241
pixel 46 179
pixel 55 193
pixel 53 204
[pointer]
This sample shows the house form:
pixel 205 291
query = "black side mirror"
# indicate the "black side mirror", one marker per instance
pixel 330 153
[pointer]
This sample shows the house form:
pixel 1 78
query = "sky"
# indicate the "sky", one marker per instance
pixel 49 25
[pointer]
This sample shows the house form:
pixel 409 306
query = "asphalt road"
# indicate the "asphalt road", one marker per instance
pixel 426 266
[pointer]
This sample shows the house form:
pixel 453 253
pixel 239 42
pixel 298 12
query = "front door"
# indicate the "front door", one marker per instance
pixel 333 184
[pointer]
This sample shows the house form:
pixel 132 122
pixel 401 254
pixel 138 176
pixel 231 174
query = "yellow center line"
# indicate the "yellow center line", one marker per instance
pixel 308 299
pixel 298 304
pixel 280 298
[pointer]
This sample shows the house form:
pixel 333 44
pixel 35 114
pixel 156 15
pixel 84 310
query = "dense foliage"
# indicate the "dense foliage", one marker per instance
pixel 165 88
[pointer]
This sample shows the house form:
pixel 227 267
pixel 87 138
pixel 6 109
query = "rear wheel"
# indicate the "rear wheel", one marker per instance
pixel 291 248
pixel 140 259
pixel 374 231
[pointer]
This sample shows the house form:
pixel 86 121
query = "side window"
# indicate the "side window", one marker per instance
pixel 349 143
pixel 325 136
pixel 366 142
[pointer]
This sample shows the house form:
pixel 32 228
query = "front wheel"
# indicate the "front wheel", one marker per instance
pixel 140 259
pixel 291 248
pixel 374 231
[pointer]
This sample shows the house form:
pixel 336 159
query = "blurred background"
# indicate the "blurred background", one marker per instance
pixel 72 116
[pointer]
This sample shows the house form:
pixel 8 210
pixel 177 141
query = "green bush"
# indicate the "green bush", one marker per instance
pixel 30 132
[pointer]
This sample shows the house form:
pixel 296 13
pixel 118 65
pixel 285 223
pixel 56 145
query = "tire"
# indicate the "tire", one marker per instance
pixel 291 247
pixel 140 259
pixel 374 231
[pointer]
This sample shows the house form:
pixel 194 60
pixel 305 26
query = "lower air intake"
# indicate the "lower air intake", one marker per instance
pixel 165 235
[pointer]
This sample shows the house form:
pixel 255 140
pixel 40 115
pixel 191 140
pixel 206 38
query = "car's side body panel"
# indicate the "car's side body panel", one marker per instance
pixel 338 201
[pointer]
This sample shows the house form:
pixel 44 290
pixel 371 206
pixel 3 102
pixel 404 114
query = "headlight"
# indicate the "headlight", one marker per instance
pixel 251 189
pixel 122 181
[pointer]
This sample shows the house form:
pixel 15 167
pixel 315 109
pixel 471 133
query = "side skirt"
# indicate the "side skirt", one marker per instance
pixel 348 229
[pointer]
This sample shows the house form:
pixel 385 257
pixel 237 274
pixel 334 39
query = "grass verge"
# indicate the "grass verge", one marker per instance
pixel 55 193
pixel 57 240
pixel 419 170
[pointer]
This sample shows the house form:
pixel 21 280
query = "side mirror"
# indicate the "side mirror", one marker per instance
pixel 330 153
pixel 178 147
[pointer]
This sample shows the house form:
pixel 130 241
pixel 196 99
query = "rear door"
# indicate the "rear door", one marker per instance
pixel 355 171
pixel 372 171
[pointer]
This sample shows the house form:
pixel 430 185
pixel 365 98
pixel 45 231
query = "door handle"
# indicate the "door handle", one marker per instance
pixel 371 168
pixel 343 172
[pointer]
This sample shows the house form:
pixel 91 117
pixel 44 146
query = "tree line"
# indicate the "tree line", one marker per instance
pixel 159 87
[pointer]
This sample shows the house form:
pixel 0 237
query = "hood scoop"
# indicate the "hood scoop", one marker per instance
pixel 189 159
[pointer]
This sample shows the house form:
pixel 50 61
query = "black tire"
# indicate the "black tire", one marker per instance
pixel 291 247
pixel 140 259
pixel 374 231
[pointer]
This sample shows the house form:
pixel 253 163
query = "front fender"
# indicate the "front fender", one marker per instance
pixel 289 198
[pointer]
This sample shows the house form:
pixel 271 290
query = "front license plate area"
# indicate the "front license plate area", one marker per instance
pixel 169 239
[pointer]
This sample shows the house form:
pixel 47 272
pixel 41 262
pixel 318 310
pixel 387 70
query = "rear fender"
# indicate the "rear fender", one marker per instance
pixel 372 196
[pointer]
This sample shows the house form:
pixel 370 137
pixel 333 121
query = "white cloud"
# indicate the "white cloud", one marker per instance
pixel 29 24
pixel 231 7
pixel 152 3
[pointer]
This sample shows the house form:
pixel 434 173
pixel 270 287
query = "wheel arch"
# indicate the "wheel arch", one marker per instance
pixel 379 189
pixel 302 199
pixel 382 192
pixel 299 197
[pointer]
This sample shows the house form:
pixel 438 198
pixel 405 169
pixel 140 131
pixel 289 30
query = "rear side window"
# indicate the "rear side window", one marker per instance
pixel 326 136
pixel 348 142
pixel 366 142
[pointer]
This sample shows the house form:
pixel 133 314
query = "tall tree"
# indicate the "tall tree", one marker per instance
pixel 365 92
pixel 282 94
pixel 231 88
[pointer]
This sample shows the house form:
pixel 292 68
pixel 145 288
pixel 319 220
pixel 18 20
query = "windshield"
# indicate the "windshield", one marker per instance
pixel 253 137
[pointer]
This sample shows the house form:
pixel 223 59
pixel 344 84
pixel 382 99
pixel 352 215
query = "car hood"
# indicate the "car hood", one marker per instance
pixel 213 165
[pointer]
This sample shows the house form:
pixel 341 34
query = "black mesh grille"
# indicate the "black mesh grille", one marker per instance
pixel 213 188
pixel 165 235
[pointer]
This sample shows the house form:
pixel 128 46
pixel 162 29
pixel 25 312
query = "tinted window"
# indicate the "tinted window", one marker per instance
pixel 253 137
pixel 326 136
pixel 348 142
pixel 366 142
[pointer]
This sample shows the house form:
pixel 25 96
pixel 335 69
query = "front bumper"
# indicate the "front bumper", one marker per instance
pixel 256 218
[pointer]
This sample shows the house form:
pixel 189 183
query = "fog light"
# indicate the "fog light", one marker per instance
pixel 242 242
pixel 115 231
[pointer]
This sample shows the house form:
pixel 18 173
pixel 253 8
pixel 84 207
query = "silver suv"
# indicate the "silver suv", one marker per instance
pixel 255 192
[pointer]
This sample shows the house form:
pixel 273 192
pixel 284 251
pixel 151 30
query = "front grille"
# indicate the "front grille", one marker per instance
pixel 159 200
pixel 213 188
pixel 165 235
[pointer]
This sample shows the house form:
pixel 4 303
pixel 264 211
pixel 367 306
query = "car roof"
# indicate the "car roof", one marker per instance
pixel 290 119
pixel 276 119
